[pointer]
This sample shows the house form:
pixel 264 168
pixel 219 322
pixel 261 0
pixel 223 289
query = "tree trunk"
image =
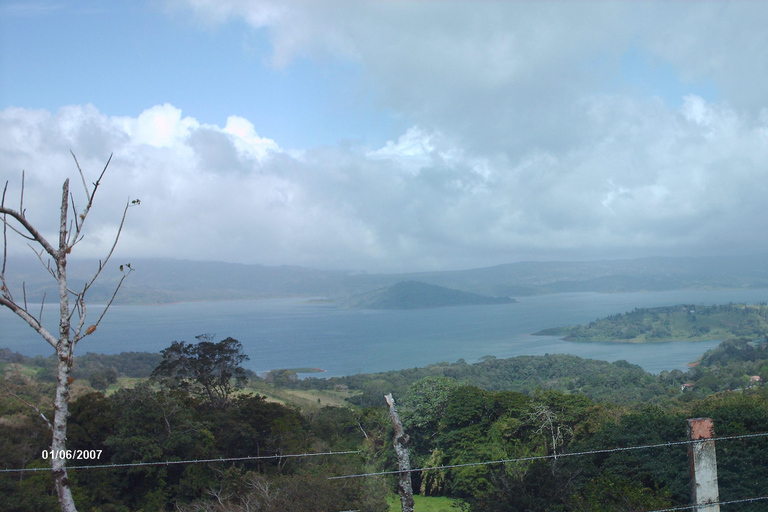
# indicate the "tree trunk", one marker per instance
pixel 404 486
pixel 64 349
pixel 69 334
pixel 59 444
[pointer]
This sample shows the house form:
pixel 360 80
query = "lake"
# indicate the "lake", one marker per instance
pixel 291 333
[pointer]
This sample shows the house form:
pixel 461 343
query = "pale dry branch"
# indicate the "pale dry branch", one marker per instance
pixel 82 175
pixel 21 195
pixel 31 320
pixel 34 234
pixel 80 307
pixel 47 264
pixel 111 299
pixel 112 249
pixel 18 232
pixel 47 421
pixel 89 195
pixel 5 234
pixel 42 305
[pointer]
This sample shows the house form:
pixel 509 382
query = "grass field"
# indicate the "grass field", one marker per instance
pixel 424 504
pixel 310 398
pixel 304 399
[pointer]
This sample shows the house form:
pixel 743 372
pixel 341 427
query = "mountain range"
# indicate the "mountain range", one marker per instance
pixel 156 281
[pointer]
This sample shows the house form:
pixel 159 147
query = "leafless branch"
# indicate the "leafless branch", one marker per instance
pixel 4 290
pixel 112 249
pixel 92 328
pixel 98 181
pixel 42 305
pixel 70 233
pixel 46 265
pixel 21 196
pixel 74 211
pixel 85 185
pixel 16 230
pixel 80 219
pixel 34 233
pixel 47 421
pixel 80 307
pixel 5 233
pixel 31 320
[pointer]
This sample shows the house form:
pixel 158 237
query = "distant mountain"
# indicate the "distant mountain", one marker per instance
pixel 158 281
pixel 416 295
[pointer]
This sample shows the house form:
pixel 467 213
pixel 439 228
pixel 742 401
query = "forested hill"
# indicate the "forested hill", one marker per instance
pixel 451 420
pixel 416 295
pixel 682 322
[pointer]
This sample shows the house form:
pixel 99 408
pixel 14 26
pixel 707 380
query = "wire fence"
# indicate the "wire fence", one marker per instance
pixel 194 461
pixel 433 468
pixel 553 456
pixel 694 507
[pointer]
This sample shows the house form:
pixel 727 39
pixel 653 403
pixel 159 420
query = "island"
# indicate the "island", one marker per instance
pixel 418 295
pixel 672 323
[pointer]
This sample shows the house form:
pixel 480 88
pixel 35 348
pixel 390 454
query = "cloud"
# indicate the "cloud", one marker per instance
pixel 159 126
pixel 657 181
pixel 505 76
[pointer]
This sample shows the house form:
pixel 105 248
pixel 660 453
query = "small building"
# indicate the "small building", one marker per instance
pixel 687 385
pixel 755 379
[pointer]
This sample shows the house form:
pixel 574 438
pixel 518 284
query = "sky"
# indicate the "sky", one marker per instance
pixel 391 136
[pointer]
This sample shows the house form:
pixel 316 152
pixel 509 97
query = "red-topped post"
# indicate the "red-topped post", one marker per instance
pixel 704 490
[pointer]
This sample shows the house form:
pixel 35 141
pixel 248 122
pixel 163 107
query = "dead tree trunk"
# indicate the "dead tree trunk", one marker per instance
pixel 404 486
pixel 70 233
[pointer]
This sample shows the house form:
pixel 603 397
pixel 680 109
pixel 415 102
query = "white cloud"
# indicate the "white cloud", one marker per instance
pixel 655 181
pixel 247 140
pixel 520 145
pixel 160 126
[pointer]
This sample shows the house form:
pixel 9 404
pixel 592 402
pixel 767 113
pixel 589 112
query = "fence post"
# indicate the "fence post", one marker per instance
pixel 703 461
pixel 404 486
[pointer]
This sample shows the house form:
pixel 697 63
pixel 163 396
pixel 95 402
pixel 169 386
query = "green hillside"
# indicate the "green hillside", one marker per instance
pixel 682 322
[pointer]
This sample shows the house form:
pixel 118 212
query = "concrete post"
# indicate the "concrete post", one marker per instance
pixel 704 489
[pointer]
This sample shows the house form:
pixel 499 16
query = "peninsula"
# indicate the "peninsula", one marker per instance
pixel 672 323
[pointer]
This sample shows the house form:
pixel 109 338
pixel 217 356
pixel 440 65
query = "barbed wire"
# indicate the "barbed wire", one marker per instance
pixel 553 456
pixel 692 507
pixel 195 461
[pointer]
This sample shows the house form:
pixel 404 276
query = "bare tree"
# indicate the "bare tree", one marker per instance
pixel 72 308
pixel 404 485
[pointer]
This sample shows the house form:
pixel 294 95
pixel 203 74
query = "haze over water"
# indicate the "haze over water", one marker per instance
pixel 291 333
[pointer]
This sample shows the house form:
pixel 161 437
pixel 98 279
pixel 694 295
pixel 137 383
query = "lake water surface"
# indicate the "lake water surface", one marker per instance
pixel 290 333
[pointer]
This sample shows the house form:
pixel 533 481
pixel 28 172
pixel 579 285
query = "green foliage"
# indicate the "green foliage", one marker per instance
pixel 451 421
pixel 608 493
pixel 283 378
pixel 424 404
pixel 672 323
pixel 308 490
pixel 425 504
pixel 619 382
pixel 205 369
pixel 90 366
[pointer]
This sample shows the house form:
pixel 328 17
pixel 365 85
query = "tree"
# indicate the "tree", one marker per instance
pixel 71 317
pixel 205 369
